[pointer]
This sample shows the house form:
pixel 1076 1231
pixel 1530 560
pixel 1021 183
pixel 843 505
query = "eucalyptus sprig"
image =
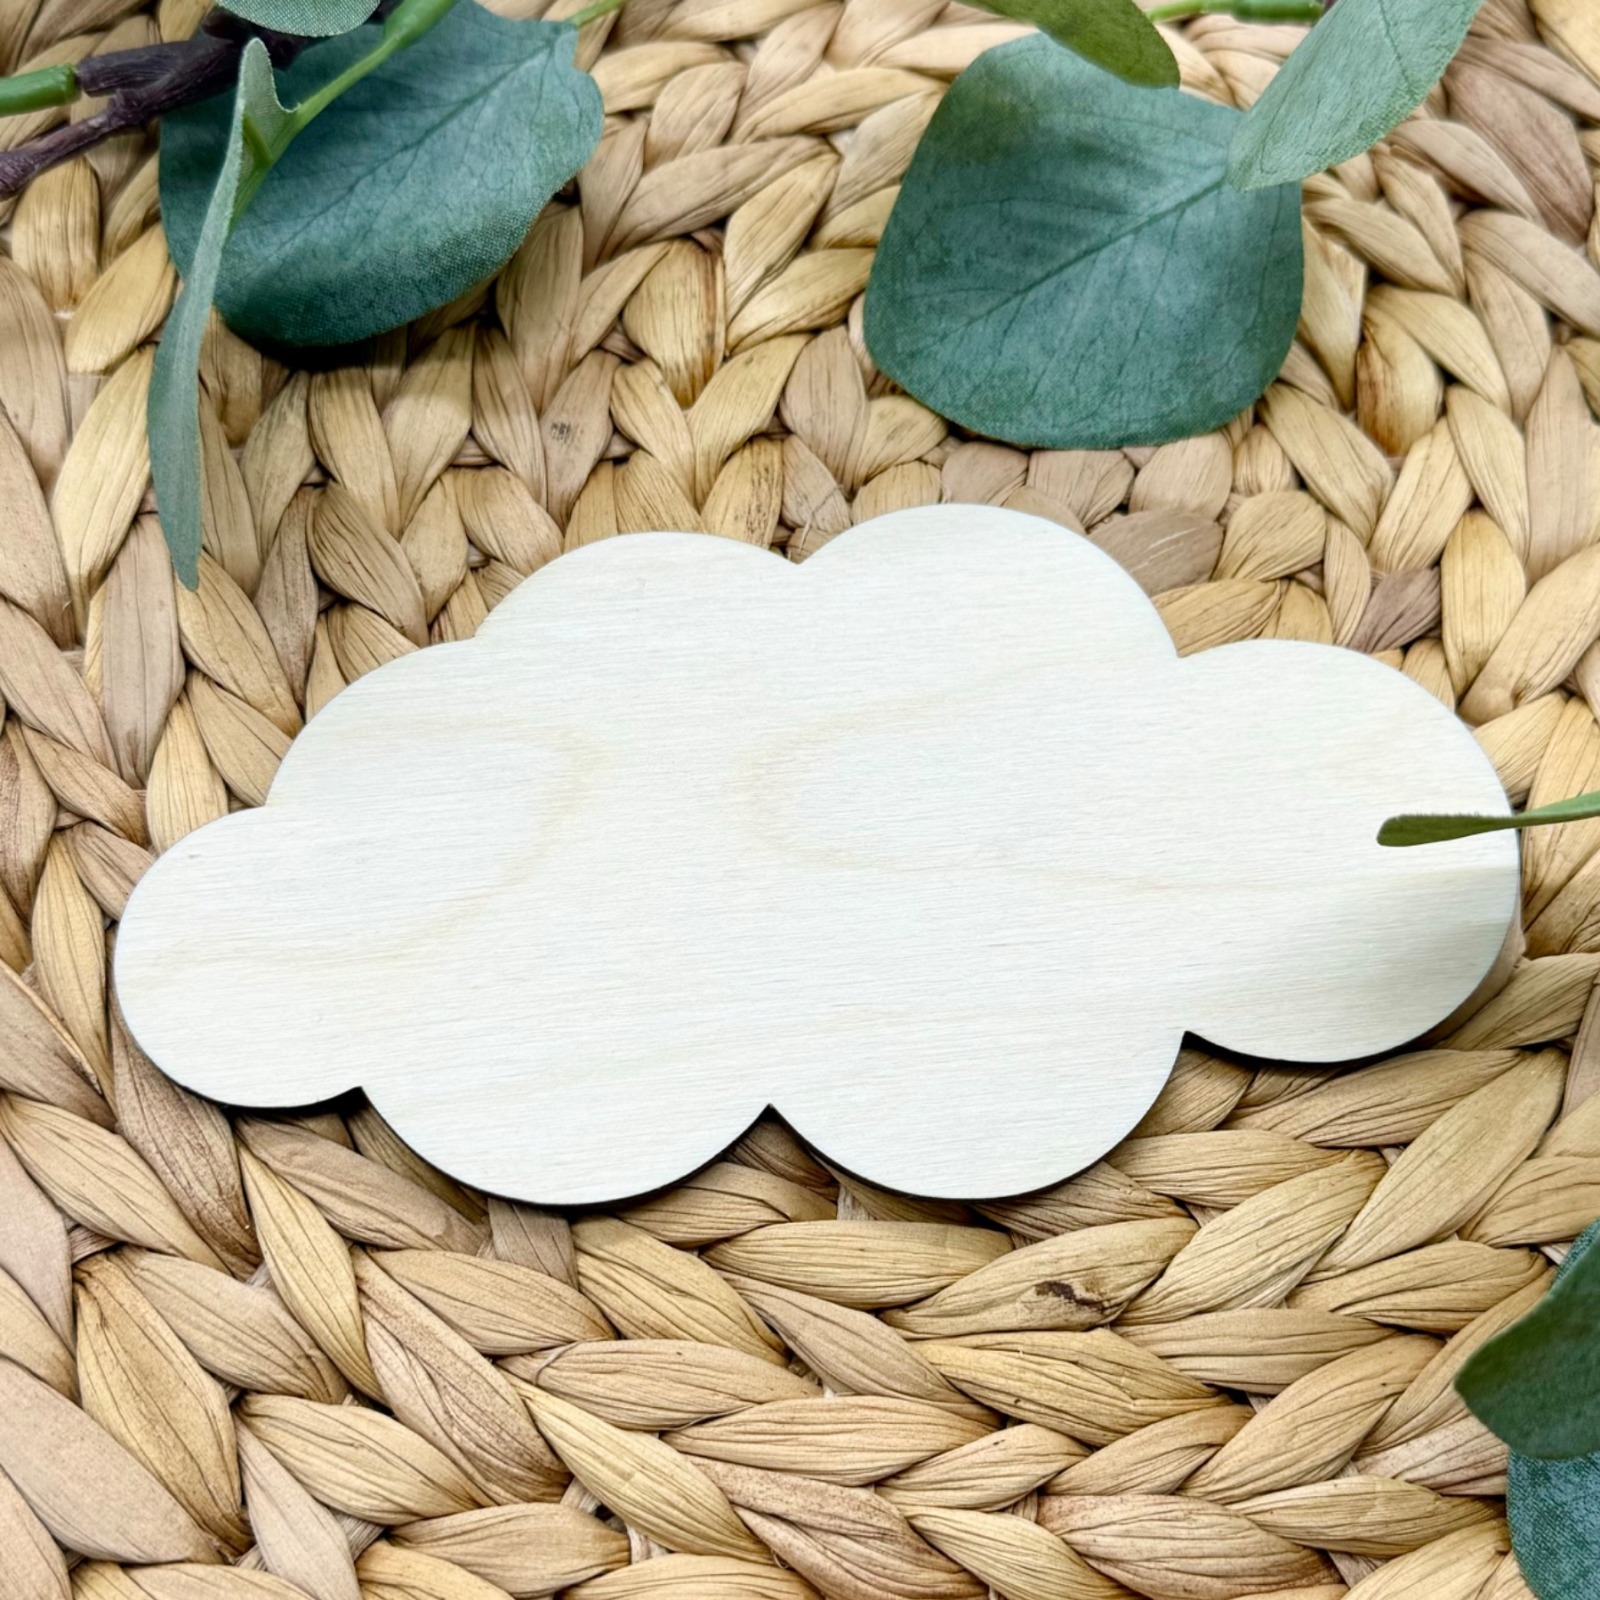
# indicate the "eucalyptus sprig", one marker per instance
pixel 362 173
pixel 1123 266
pixel 372 164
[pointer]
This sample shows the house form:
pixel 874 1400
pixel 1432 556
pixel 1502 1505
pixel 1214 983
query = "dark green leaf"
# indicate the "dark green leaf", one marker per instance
pixel 412 186
pixel 1555 1505
pixel 1537 1385
pixel 1066 264
pixel 315 18
pixel 1114 34
pixel 1364 67
pixel 1429 829
pixel 174 420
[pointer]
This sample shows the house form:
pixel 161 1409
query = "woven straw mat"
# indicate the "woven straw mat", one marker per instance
pixel 280 1358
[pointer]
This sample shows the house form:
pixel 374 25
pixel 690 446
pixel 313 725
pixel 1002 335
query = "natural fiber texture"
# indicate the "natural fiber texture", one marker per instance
pixel 279 1357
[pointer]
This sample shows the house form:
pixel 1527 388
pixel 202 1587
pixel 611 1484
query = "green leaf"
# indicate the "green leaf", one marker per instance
pixel 1430 829
pixel 415 184
pixel 315 18
pixel 1067 266
pixel 1537 1385
pixel 1554 1505
pixel 1364 67
pixel 1114 34
pixel 174 420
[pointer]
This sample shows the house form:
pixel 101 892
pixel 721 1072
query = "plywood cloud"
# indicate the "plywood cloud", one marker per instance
pixel 933 843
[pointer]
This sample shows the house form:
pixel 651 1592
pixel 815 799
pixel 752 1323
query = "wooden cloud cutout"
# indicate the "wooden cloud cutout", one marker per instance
pixel 932 843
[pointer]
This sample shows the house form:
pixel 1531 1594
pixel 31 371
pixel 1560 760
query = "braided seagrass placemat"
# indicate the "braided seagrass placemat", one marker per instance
pixel 280 1358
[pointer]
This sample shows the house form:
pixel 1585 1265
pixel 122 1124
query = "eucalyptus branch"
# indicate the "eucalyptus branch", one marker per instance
pixel 139 86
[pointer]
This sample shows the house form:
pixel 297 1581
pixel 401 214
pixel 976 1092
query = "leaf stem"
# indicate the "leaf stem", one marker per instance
pixel 33 91
pixel 596 8
pixel 1244 10
pixel 403 26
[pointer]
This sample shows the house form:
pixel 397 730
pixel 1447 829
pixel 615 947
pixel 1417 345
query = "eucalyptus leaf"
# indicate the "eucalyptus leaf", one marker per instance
pixel 1067 265
pixel 1364 67
pixel 174 401
pixel 412 186
pixel 313 18
pixel 1425 828
pixel 1114 34
pixel 1537 1385
pixel 1554 1505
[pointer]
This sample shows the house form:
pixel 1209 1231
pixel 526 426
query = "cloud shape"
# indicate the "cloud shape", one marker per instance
pixel 932 843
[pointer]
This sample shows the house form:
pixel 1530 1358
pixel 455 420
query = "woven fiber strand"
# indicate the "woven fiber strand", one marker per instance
pixel 280 1358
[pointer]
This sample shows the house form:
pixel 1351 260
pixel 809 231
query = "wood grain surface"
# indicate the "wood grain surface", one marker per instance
pixel 937 818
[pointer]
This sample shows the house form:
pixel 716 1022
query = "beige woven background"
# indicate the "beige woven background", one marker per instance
pixel 282 1359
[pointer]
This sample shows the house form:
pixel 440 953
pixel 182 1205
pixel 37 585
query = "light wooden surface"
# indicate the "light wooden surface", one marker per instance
pixel 932 843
